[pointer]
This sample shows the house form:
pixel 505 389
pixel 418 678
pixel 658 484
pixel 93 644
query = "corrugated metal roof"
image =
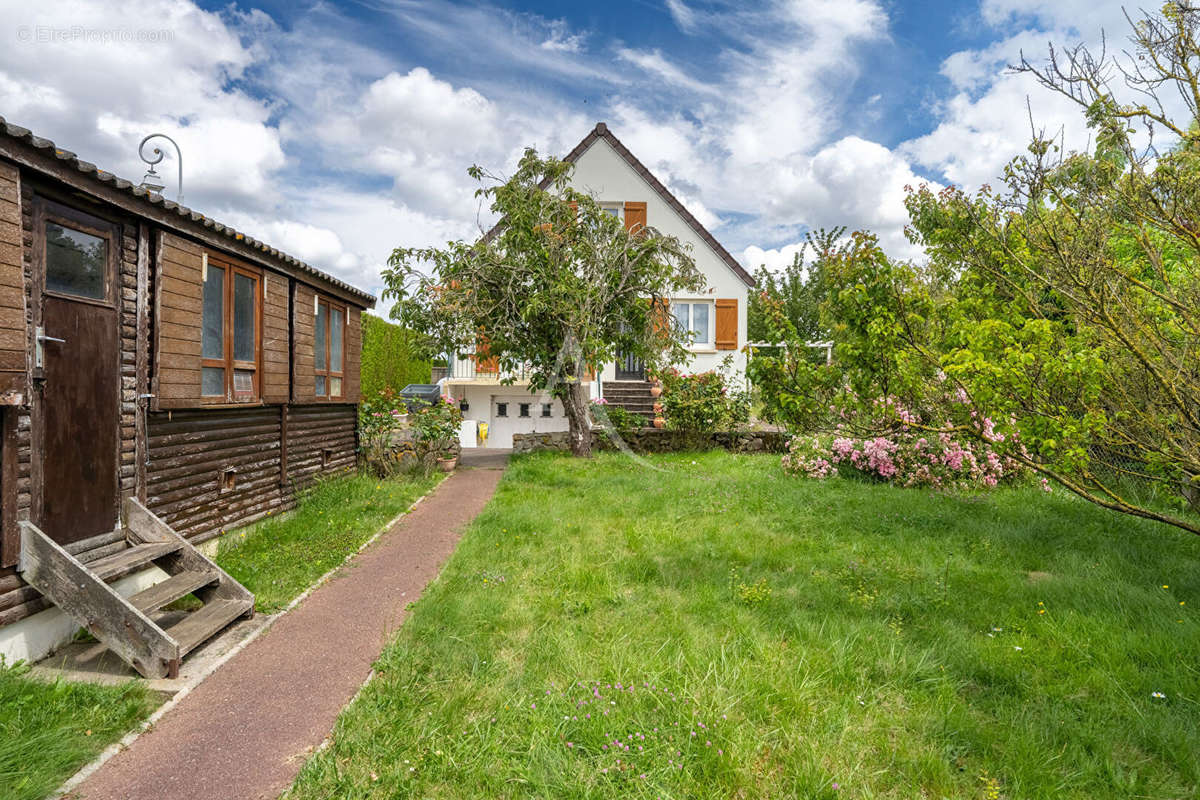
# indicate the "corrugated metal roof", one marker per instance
pixel 91 171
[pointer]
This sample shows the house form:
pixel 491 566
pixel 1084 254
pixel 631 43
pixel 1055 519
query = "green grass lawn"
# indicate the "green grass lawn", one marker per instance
pixel 280 557
pixel 714 628
pixel 49 730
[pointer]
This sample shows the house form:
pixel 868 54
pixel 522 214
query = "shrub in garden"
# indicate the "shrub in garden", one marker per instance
pixel 911 454
pixel 380 417
pixel 703 402
pixel 435 429
pixel 622 420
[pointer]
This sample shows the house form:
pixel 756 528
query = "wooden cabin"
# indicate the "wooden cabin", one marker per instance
pixel 163 378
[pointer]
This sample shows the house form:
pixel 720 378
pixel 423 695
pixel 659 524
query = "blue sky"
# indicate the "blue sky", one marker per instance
pixel 338 130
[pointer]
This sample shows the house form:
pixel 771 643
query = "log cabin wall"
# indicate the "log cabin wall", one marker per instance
pixel 213 469
pixel 14 364
pixel 17 600
pixel 14 332
pixel 177 459
pixel 321 439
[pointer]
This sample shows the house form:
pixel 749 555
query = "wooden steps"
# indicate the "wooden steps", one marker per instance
pixel 126 624
pixel 120 564
pixel 179 585
pixel 198 627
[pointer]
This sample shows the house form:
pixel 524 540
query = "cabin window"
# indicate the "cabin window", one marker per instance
pixel 75 261
pixel 501 409
pixel 694 319
pixel 78 252
pixel 229 337
pixel 524 409
pixel 329 350
pixel 546 409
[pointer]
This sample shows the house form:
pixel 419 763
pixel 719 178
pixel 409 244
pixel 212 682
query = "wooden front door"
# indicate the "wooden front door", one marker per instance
pixel 80 375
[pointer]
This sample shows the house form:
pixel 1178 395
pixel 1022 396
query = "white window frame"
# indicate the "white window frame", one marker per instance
pixel 709 343
pixel 616 209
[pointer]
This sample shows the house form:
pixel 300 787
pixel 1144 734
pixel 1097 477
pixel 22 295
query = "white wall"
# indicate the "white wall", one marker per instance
pixel 603 174
pixel 481 399
pixel 37 636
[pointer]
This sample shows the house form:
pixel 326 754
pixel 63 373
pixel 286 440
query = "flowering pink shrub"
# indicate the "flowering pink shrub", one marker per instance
pixel 909 455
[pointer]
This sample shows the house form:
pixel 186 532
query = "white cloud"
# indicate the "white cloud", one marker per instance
pixel 685 18
pixel 977 136
pixel 424 133
pixel 864 183
pixel 994 112
pixel 350 234
pixel 853 183
pixel 774 259
pixel 654 62
pixel 756 147
pixel 1061 15
pixel 76 80
pixel 561 39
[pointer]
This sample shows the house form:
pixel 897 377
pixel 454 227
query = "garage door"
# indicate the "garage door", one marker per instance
pixel 523 414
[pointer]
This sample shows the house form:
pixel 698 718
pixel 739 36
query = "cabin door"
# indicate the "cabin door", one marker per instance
pixel 77 348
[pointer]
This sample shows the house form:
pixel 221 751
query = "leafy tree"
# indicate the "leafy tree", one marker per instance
pixel 559 287
pixel 1059 317
pixel 798 290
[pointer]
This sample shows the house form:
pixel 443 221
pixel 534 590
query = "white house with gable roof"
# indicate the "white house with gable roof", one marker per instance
pixel 716 315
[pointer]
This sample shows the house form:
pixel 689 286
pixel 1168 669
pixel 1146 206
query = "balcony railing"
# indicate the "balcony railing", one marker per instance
pixel 466 368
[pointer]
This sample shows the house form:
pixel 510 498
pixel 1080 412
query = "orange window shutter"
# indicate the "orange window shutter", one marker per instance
pixel 485 362
pixel 635 216
pixel 660 317
pixel 727 324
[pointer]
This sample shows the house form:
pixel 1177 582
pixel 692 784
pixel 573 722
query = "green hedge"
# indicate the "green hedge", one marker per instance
pixel 391 358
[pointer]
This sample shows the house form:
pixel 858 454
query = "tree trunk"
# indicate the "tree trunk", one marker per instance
pixel 579 427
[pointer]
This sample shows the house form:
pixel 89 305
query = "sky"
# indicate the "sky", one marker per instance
pixel 337 131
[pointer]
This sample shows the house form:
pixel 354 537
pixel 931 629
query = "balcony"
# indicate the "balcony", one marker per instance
pixel 466 369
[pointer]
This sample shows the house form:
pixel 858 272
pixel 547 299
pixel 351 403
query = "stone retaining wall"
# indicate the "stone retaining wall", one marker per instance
pixel 402 451
pixel 658 440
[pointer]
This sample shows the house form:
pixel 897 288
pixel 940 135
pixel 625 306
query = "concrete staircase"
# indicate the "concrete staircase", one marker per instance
pixel 633 396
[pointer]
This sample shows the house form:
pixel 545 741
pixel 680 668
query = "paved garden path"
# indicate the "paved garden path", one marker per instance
pixel 245 732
